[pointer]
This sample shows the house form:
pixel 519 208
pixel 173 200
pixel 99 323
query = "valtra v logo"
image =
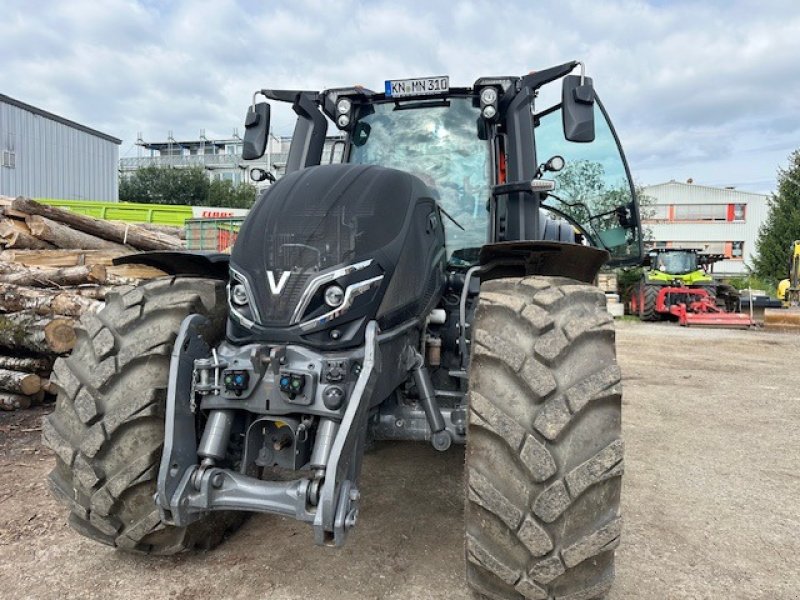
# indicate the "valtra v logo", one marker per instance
pixel 276 287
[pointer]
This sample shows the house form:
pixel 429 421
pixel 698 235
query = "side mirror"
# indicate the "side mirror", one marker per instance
pixel 256 128
pixel 577 101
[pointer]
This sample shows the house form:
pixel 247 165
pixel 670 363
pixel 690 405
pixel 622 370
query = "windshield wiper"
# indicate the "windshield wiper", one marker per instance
pixel 449 216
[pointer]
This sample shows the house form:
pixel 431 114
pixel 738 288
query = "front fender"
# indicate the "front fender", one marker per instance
pixel 213 265
pixel 521 258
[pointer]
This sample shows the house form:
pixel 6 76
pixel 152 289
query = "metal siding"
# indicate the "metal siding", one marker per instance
pixel 724 231
pixel 54 160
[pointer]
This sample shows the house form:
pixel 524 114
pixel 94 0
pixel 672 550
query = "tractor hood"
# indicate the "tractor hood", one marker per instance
pixel 320 247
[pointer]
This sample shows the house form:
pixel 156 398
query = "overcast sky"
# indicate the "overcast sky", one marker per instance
pixel 708 90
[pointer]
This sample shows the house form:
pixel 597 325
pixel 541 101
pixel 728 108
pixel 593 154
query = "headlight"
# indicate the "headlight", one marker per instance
pixel 239 295
pixel 343 121
pixel 489 111
pixel 343 106
pixel 489 95
pixel 334 296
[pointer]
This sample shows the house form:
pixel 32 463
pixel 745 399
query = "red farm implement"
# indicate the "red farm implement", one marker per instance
pixel 692 307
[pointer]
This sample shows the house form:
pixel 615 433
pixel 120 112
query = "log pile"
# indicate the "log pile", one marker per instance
pixel 56 265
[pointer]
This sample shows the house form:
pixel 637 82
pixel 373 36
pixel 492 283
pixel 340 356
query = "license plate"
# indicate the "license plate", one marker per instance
pixel 423 86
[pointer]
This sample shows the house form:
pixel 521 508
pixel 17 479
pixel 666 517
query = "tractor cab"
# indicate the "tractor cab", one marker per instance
pixel 507 159
pixel 681 266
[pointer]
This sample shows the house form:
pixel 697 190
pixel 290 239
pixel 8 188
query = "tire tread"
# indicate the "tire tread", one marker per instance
pixel 558 319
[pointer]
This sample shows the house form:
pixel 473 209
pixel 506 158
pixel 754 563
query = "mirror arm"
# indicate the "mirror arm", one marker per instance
pixel 290 96
pixel 539 78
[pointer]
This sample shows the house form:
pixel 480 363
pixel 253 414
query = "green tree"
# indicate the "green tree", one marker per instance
pixel 165 185
pixel 782 225
pixel 191 187
pixel 225 193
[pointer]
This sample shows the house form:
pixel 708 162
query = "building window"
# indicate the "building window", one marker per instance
pixel 737 250
pixel 739 212
pixel 655 212
pixel 9 159
pixel 9 156
pixel 701 212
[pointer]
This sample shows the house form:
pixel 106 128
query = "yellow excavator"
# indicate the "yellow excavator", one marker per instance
pixel 789 288
pixel 788 317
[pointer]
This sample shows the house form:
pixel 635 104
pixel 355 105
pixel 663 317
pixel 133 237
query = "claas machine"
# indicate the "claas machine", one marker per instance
pixel 677 284
pixel 436 286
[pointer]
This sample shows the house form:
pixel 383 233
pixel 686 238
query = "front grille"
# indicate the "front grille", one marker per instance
pixel 277 309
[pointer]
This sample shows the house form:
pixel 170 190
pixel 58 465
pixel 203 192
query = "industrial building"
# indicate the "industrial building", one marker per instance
pixel 221 158
pixel 43 155
pixel 716 220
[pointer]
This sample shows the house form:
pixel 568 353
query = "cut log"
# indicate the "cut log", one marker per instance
pixel 95 292
pixel 124 234
pixel 29 365
pixel 65 236
pixel 178 232
pixel 62 258
pixel 24 241
pixel 5 207
pixel 15 298
pixel 15 401
pixel 41 335
pixel 18 382
pixel 128 272
pixel 20 275
pixel 49 387
pixel 9 226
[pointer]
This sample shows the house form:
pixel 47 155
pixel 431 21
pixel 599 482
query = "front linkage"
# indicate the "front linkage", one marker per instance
pixel 327 497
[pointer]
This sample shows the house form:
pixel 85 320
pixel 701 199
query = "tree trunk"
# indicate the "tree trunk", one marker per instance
pixel 19 275
pixel 62 258
pixel 29 365
pixel 14 298
pixel 125 234
pixel 65 236
pixel 19 383
pixel 41 335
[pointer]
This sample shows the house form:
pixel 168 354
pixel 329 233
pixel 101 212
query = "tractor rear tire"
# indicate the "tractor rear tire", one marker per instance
pixel 711 290
pixel 107 430
pixel 647 302
pixel 544 455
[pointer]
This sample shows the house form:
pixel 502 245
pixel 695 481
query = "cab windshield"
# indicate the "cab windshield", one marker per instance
pixel 676 263
pixel 439 144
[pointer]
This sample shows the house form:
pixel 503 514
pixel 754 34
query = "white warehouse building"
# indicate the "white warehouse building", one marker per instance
pixel 43 155
pixel 712 219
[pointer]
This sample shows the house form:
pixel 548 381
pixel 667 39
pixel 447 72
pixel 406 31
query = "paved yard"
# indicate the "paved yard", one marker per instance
pixel 711 499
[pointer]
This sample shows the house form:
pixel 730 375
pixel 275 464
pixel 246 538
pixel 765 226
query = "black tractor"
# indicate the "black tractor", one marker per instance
pixel 436 286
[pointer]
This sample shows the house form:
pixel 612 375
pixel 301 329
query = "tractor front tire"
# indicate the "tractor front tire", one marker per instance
pixel 544 455
pixel 107 430
pixel 647 302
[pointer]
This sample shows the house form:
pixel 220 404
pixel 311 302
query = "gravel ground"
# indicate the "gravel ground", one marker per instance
pixel 711 499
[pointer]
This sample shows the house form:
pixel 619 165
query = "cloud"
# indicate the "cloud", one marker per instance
pixel 695 89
